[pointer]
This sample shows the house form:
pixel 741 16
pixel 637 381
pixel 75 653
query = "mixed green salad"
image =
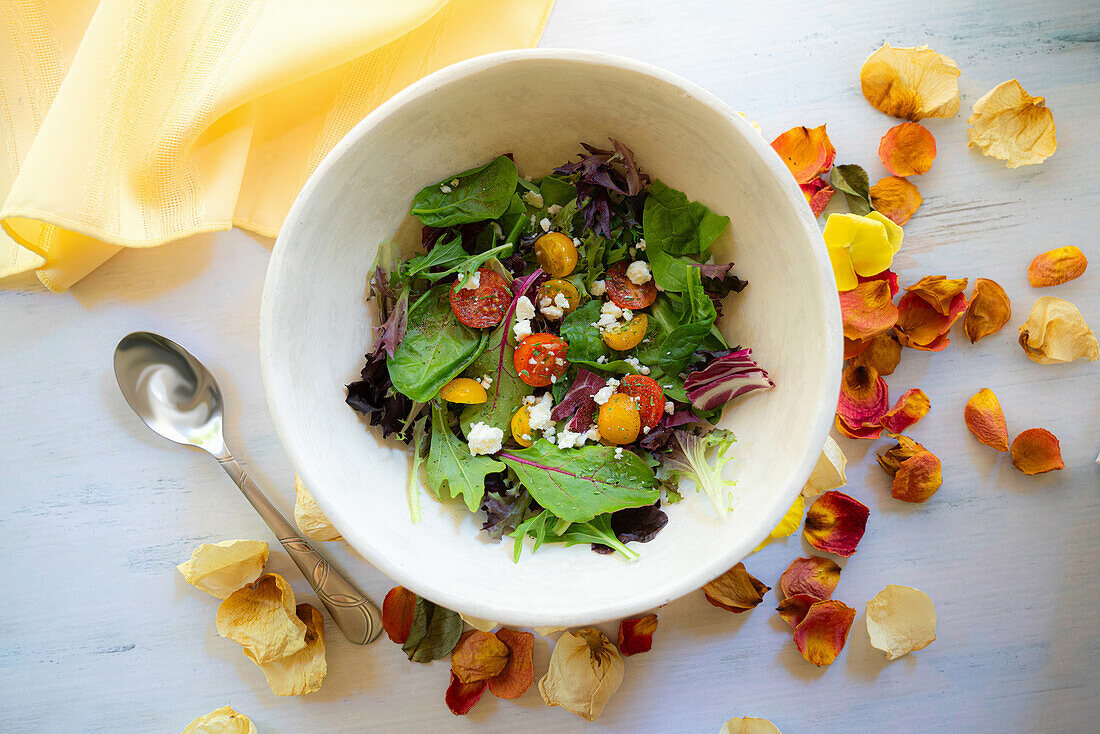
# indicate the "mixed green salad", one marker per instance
pixel 551 356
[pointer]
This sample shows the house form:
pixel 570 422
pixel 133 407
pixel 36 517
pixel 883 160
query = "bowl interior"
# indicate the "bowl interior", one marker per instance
pixel 316 325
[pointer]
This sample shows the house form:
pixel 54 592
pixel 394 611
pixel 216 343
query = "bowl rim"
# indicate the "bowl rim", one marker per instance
pixel 646 598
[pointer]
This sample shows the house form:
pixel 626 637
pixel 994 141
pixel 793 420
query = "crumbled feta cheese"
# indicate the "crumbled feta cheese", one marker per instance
pixel 638 272
pixel 545 224
pixel 551 312
pixel 604 393
pixel 533 198
pixel 522 329
pixel 528 179
pixel 559 361
pixel 619 452
pixel 633 362
pixel 568 439
pixel 545 301
pixel 611 309
pixel 561 300
pixel 473 281
pixel 538 414
pixel 484 439
pixel 576 242
pixel 454 182
pixel 593 433
pixel 530 400
pixel 526 438
pixel 548 433
pixel 645 430
pixel 641 244
pixel 670 407
pixel 445 188
pixel 553 379
pixel 553 209
pixel 531 361
pixel 599 287
pixel 602 359
pixel 485 381
pixel 524 308
pixel 532 220
pixel 627 314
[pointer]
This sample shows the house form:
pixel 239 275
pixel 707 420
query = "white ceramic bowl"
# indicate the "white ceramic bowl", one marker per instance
pixel 315 326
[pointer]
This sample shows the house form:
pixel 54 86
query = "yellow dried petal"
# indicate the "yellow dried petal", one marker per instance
pixel 222 721
pixel 911 83
pixel 989 310
pixel 787 525
pixel 219 569
pixel 585 671
pixel 261 618
pixel 301 672
pixel 1009 124
pixel 1057 266
pixel 482 625
pixel 308 516
pixel 828 472
pixel 901 620
pixel 1055 332
pixel 747 725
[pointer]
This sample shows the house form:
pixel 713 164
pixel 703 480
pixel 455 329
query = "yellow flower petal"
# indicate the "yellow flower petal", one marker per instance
pixel 842 269
pixel 894 232
pixel 788 525
pixel 871 250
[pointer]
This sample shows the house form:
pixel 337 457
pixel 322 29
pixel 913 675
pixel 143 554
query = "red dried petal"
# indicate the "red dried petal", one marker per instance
pixel 907 149
pixel 817 193
pixel 397 613
pixel 807 152
pixel 636 635
pixel 835 523
pixel 461 697
pixel 863 401
pixel 918 478
pixel 920 326
pixel 478 656
pixel 519 673
pixel 888 275
pixel 793 609
pixel 868 310
pixel 986 420
pixel 736 590
pixel 910 408
pixel 822 633
pixel 815 576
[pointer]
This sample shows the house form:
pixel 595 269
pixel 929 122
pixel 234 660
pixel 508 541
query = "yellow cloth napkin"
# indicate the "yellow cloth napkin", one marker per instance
pixel 129 123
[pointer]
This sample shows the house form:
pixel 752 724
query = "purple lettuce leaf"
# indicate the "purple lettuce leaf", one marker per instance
pixel 637 524
pixel 719 281
pixel 373 396
pixel 658 438
pixel 722 376
pixel 579 397
pixel 390 332
pixel 504 506
pixel 597 174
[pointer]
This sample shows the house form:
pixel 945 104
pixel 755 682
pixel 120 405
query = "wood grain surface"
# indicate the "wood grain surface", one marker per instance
pixel 100 634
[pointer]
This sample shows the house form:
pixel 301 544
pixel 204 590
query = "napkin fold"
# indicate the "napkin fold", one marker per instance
pixel 131 123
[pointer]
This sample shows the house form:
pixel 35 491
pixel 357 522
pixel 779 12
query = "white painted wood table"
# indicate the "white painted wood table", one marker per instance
pixel 100 634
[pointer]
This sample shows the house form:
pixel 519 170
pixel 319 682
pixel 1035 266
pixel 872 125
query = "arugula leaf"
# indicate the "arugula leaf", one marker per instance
pixel 450 463
pixel 578 484
pixel 852 180
pixel 482 193
pixel 436 348
pixel 434 632
pixel 597 530
pixel 444 254
pixel 538 527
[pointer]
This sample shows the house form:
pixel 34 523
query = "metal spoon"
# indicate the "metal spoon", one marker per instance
pixel 176 396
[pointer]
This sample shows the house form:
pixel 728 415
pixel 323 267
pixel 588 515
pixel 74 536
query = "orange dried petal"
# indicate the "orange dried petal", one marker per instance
pixel 794 607
pixel 519 672
pixel 986 420
pixel 817 193
pixel 864 399
pixel 835 523
pixel 910 408
pixel 939 291
pixel 888 275
pixel 807 152
pixel 1057 266
pixel 816 576
pixel 397 613
pixel 461 697
pixel 736 590
pixel 917 478
pixel 868 310
pixel 903 450
pixel 911 83
pixel 907 149
pixel 855 347
pixel 821 635
pixel 920 326
pixel 1037 451
pixel 478 656
pixel 989 310
pixel 896 198
pixel 636 635
pixel 882 353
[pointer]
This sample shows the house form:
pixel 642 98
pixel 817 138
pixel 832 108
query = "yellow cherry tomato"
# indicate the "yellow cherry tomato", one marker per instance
pixel 628 335
pixel 551 288
pixel 620 420
pixel 521 427
pixel 556 253
pixel 463 390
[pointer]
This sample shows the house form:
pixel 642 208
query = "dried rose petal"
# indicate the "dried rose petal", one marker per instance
pixel 989 310
pixel 636 635
pixel 920 326
pixel 817 194
pixel 882 354
pixel 302 672
pixel 1057 266
pixel 397 613
pixel 828 472
pixel 736 590
pixel 815 576
pixel 585 671
pixel 748 725
pixel 788 524
pixel 1037 451
pixel 855 347
pixel 888 275
pixel 910 408
pixel 1055 332
pixel 939 291
pixel 793 608
pixel 897 198
pixel 911 83
pixel 906 448
pixel 261 617
pixel 864 399
pixel 868 310
pixel 986 420
pixel 1010 124
pixel 221 721
pixel 835 523
pixel 821 635
pixel 907 149
pixel 219 569
pixel 901 620
pixel 918 478
pixel 807 152
pixel 461 697
pixel 519 673
pixel 478 656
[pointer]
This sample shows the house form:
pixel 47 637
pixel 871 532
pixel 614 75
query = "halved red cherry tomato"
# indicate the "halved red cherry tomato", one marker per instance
pixel 650 396
pixel 485 305
pixel 540 358
pixel 624 292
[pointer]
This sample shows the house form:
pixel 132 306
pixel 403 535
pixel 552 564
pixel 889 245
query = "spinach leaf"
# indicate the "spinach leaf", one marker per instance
pixel 586 346
pixel 556 191
pixel 450 463
pixel 507 390
pixel 436 348
pixel 578 484
pixel 482 193
pixel 434 632
pixel 596 530
pixel 853 182
pixel 672 227
pixel 696 320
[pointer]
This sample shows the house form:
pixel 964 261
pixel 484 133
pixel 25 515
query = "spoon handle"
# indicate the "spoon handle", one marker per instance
pixel 356 616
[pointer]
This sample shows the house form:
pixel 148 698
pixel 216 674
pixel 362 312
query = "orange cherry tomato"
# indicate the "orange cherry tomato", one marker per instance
pixel 485 305
pixel 619 420
pixel 624 292
pixel 540 359
pixel 650 397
